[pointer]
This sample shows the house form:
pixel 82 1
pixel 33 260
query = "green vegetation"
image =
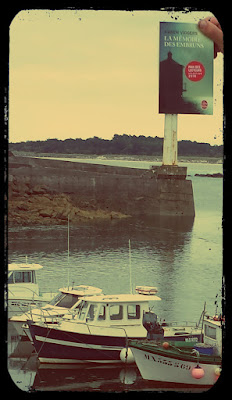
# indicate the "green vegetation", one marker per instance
pixel 120 144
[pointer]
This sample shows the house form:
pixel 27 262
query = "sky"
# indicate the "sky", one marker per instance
pixel 85 73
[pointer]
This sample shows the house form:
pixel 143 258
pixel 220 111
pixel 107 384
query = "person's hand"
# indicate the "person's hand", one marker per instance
pixel 212 29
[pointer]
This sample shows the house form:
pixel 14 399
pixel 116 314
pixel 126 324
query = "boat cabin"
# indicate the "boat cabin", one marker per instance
pixel 22 273
pixel 121 309
pixel 68 297
pixel 22 279
pixel 212 330
pixel 66 300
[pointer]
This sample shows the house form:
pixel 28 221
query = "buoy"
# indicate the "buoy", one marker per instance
pixel 127 376
pixel 126 355
pixel 165 345
pixel 217 371
pixel 198 372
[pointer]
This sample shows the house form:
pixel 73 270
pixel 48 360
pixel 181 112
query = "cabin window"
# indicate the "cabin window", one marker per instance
pixel 68 300
pixel 133 311
pixel 116 312
pixel 56 299
pixel 102 313
pixel 210 332
pixel 92 312
pixel 10 277
pixel 83 308
pixel 22 277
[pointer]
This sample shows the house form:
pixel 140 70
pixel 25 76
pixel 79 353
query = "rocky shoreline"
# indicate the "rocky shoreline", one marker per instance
pixel 37 205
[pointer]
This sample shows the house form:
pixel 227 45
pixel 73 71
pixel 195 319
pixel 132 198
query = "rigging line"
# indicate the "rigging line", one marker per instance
pixel 49 330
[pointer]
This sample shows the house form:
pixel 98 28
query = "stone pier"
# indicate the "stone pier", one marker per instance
pixel 160 190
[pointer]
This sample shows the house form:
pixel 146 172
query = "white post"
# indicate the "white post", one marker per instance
pixel 130 266
pixel 170 140
pixel 68 251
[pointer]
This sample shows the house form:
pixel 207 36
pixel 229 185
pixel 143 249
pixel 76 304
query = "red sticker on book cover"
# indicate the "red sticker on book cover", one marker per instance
pixel 195 71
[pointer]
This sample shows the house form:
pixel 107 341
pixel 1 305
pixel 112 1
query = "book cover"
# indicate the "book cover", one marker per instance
pixel 185 70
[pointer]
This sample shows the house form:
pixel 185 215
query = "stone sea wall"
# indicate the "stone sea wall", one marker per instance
pixel 52 189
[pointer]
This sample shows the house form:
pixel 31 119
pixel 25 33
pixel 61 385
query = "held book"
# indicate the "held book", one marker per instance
pixel 185 70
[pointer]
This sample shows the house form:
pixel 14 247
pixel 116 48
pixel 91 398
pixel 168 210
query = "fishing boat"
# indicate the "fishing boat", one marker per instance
pixel 171 363
pixel 97 332
pixel 65 301
pixel 23 290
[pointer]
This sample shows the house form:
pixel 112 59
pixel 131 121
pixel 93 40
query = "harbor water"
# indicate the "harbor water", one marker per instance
pixel 179 256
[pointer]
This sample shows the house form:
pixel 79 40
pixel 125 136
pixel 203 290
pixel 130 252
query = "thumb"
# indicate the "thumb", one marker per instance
pixel 213 32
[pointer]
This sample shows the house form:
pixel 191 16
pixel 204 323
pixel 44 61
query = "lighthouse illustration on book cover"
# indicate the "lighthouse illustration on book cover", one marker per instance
pixel 185 70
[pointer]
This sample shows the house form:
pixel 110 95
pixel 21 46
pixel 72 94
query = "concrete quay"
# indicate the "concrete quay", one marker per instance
pixel 160 191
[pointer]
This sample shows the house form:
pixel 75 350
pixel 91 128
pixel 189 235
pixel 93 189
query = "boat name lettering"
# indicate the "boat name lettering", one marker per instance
pixel 191 339
pixel 164 361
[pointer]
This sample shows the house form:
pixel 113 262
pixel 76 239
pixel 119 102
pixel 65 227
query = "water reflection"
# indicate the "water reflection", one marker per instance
pixel 30 376
pixel 99 253
pixel 100 235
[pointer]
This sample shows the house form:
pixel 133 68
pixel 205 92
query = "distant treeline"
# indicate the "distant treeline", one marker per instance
pixel 120 144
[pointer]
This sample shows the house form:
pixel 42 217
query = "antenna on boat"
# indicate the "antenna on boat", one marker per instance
pixel 216 304
pixel 68 251
pixel 130 266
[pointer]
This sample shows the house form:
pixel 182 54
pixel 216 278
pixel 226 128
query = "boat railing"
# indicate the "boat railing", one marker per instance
pixel 21 289
pixel 179 324
pixel 44 314
pixel 108 326
pixel 19 302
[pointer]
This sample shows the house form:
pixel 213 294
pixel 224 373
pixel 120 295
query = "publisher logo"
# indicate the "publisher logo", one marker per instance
pixel 195 71
pixel 204 104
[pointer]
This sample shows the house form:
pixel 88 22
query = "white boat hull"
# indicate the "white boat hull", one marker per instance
pixel 160 368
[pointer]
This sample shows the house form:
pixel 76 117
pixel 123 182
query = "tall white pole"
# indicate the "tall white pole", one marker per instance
pixel 68 251
pixel 130 266
pixel 170 140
